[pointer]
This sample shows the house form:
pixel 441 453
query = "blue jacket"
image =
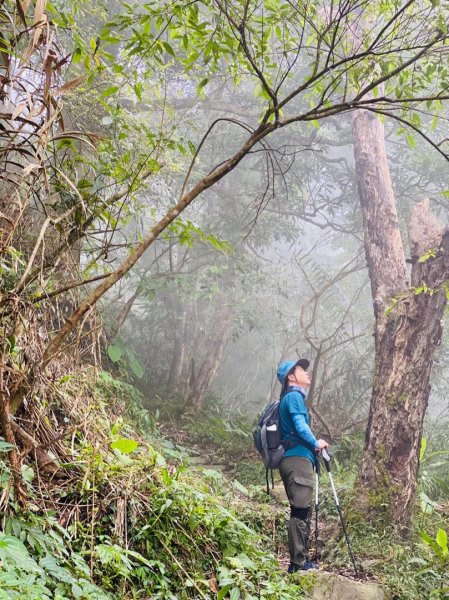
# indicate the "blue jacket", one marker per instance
pixel 294 423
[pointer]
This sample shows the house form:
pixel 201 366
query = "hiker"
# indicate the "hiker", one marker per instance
pixel 298 464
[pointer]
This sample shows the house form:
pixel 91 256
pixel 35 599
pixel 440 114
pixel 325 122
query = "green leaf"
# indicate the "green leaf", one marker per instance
pixel 410 140
pixel 200 86
pixel 169 49
pixel 77 55
pixel 425 257
pixel 138 90
pixel 423 448
pixel 441 24
pixel 235 594
pixel 27 473
pixel 13 551
pixel 110 91
pixel 430 542
pixel 77 591
pixel 241 488
pixel 137 367
pixel 125 445
pixel 57 572
pixel 166 505
pixel 10 343
pixel 83 184
pixel 223 592
pixel 5 446
pixel 441 539
pixel 427 505
pixel 114 353
pixel 192 147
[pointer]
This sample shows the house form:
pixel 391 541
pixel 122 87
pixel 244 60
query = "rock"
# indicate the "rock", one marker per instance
pixel 329 586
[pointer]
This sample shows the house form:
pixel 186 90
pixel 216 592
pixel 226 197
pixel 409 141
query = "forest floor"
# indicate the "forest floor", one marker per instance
pixel 382 562
pixel 176 508
pixel 208 454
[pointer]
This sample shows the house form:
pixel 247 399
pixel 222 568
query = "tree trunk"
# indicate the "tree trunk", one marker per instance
pixel 407 330
pixel 213 356
pixel 177 365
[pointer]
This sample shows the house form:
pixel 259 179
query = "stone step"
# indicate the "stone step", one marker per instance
pixel 330 586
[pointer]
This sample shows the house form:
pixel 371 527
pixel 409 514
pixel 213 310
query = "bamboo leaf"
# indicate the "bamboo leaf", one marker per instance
pixel 70 85
pixel 110 91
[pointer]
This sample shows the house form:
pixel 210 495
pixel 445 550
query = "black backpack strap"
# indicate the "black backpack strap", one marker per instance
pixel 268 483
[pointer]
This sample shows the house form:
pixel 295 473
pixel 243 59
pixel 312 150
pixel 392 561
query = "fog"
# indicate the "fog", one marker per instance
pixel 212 320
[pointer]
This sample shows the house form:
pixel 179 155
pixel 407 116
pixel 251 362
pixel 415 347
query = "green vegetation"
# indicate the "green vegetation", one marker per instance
pixel 416 568
pixel 132 518
pixel 180 205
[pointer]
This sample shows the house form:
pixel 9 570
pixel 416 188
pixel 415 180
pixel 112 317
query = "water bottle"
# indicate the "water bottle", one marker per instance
pixel 273 436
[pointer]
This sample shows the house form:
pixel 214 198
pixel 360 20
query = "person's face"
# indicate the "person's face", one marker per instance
pixel 299 377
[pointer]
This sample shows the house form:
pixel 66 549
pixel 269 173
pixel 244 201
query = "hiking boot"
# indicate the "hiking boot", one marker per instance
pixel 292 568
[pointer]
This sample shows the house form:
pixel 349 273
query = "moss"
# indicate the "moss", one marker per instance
pixel 395 400
pixel 381 453
pixel 373 503
pixel 381 495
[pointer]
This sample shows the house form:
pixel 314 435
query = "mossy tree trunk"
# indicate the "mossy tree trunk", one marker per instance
pixel 407 329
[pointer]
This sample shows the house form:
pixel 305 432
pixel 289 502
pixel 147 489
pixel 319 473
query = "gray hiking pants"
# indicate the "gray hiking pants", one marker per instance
pixel 297 476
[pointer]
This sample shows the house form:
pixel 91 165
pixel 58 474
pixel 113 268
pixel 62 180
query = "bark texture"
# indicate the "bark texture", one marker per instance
pixel 408 327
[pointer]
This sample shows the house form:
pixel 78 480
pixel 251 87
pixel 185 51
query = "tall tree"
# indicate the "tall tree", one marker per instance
pixel 408 313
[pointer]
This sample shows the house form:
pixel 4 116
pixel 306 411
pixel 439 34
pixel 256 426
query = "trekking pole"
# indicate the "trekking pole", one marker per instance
pixel 317 504
pixel 327 461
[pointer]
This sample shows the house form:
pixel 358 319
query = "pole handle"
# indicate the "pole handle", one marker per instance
pixel 327 460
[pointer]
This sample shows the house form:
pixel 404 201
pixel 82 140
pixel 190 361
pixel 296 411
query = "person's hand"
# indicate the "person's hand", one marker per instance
pixel 321 445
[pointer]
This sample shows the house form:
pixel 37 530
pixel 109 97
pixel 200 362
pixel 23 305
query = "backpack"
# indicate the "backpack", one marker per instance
pixel 267 438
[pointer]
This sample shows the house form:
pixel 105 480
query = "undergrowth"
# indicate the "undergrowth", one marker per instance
pixel 129 519
pixel 416 568
pixel 413 569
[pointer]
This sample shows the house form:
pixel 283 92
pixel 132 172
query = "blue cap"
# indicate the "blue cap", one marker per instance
pixel 287 366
